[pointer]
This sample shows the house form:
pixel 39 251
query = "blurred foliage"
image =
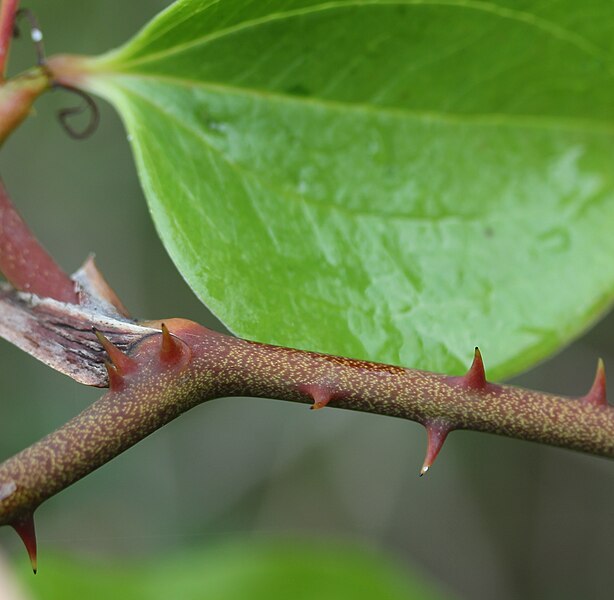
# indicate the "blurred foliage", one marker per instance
pixel 269 570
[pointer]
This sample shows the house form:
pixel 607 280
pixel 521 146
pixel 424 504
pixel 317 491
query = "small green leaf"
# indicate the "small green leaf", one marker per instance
pixel 271 570
pixel 397 181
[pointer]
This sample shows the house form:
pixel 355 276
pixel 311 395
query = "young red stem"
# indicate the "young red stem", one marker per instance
pixel 211 365
pixel 8 9
pixel 25 263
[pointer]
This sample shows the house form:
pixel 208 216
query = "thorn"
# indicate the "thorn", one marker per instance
pixel 597 394
pixel 437 434
pixel 475 377
pixel 172 349
pixel 116 381
pixel 25 530
pixel 319 405
pixel 321 395
pixel 122 363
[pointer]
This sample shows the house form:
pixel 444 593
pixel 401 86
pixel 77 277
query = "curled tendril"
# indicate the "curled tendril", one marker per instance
pixel 88 104
pixel 35 33
pixel 65 114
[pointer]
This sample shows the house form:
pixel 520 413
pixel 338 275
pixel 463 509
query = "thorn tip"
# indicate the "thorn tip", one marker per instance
pixel 597 395
pixel 172 349
pixel 476 376
pixel 122 363
pixel 116 381
pixel 436 434
pixel 26 531
pixel 321 395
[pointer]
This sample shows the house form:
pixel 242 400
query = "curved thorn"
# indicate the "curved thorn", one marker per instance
pixel 65 114
pixel 120 361
pixel 321 395
pixel 116 380
pixel 476 376
pixel 172 349
pixel 25 530
pixel 597 394
pixel 437 433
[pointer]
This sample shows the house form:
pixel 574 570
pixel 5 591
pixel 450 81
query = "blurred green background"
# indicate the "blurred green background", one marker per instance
pixel 495 518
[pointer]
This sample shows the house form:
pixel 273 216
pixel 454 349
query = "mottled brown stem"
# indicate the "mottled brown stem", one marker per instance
pixel 166 374
pixel 8 10
pixel 25 263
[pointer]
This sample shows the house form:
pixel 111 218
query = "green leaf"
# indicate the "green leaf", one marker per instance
pixel 397 181
pixel 270 570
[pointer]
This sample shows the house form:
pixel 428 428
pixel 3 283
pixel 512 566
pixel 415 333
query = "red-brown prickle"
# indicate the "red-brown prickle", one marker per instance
pixel 173 351
pixel 474 380
pixel 437 432
pixel 123 364
pixel 24 526
pixel 320 395
pixel 475 377
pixel 597 394
pixel 116 381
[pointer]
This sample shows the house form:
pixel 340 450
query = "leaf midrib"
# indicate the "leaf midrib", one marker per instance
pixel 540 122
pixel 289 193
pixel 286 192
